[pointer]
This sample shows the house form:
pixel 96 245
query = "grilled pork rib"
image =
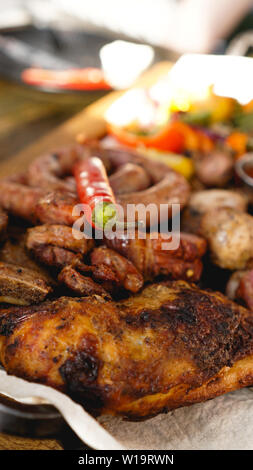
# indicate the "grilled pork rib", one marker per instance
pixel 168 346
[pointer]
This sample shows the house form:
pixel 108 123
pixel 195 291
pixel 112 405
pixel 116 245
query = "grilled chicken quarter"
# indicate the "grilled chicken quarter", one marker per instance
pixel 171 345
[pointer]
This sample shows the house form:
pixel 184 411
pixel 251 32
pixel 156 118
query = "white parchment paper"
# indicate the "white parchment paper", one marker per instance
pixel 223 423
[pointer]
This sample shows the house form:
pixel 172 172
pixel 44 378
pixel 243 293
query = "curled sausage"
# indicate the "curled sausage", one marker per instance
pixel 20 200
pixel 129 178
pixel 167 187
pixel 48 171
pixel 52 171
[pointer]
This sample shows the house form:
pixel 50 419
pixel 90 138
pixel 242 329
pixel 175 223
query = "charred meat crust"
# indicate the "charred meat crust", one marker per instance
pixel 21 286
pixel 136 357
pixel 80 284
pixel 80 374
pixel 196 319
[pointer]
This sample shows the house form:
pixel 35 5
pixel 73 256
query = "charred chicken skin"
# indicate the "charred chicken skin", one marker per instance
pixel 171 345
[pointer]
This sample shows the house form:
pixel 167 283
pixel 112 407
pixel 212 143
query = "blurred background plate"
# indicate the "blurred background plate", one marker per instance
pixel 79 49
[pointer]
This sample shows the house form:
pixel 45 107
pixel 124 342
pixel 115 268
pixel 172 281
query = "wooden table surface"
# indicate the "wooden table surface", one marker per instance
pixel 26 115
pixel 32 123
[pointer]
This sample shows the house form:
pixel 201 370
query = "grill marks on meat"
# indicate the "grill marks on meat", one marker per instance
pixel 170 345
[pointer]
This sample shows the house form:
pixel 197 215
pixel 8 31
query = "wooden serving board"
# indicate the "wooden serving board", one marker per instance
pixel 90 122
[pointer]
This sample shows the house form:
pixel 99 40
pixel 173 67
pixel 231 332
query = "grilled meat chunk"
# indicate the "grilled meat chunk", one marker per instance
pixel 80 284
pixel 60 236
pixel 170 345
pixel 14 251
pixel 152 259
pixel 21 286
pixel 126 274
pixel 56 245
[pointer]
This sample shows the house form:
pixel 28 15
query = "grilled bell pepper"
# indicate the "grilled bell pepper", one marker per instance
pixel 170 137
pixel 177 162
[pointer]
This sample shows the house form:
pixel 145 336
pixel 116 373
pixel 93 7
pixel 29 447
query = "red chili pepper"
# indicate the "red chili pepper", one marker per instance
pixel 95 191
pixel 90 78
